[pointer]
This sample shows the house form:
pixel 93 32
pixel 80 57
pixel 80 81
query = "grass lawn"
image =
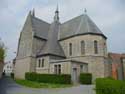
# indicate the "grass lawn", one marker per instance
pixel 40 85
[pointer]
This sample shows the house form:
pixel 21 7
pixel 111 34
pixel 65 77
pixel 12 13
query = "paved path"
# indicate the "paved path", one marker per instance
pixel 8 86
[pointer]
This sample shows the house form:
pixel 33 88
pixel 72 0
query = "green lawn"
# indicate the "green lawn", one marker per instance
pixel 40 85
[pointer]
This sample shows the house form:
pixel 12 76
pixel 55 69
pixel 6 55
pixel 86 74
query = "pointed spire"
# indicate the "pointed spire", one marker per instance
pixel 30 12
pixel 56 17
pixel 33 12
pixel 85 11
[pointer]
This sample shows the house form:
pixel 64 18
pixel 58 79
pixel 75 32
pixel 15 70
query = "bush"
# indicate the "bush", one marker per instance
pixel 2 54
pixel 109 86
pixel 85 78
pixel 49 78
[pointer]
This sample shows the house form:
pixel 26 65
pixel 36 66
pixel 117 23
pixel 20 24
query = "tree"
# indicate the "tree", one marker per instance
pixel 2 51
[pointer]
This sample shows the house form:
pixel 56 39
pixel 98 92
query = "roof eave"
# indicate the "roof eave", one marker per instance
pixel 81 35
pixel 40 55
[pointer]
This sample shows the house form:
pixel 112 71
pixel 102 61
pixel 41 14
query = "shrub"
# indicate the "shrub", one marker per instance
pixel 109 86
pixel 48 78
pixel 85 78
pixel 2 54
pixel 2 51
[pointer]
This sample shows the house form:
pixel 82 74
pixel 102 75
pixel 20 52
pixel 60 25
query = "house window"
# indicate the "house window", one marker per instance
pixel 39 63
pixel 42 62
pixel 70 49
pixel 57 69
pixel 82 47
pixel 81 68
pixel 96 47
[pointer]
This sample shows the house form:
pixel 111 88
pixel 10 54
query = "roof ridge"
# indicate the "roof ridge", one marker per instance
pixel 40 19
pixel 79 25
pixel 72 19
pixel 87 24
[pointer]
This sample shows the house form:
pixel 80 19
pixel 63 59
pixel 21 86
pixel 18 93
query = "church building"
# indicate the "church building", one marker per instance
pixel 73 47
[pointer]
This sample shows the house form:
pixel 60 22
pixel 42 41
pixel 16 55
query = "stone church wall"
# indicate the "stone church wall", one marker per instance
pixel 22 66
pixel 25 41
pixel 44 69
pixel 96 62
pixel 89 45
pixel 65 67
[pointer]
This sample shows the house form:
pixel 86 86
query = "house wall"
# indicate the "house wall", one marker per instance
pixel 44 69
pixel 65 67
pixel 8 68
pixel 124 67
pixel 24 65
pixel 25 59
pixel 89 45
pixel 96 62
pixel 25 40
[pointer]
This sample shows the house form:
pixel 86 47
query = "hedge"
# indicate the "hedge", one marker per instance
pixel 109 86
pixel 48 78
pixel 85 78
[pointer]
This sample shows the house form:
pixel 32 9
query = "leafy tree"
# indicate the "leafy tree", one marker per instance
pixel 2 51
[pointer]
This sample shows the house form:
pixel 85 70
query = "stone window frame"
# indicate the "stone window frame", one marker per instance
pixel 70 49
pixel 81 68
pixel 82 43
pixel 95 46
pixel 57 68
pixel 39 63
pixel 42 65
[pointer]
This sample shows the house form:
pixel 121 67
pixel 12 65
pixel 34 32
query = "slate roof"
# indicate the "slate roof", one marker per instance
pixel 49 32
pixel 77 26
pixel 54 32
pixel 40 27
pixel 52 46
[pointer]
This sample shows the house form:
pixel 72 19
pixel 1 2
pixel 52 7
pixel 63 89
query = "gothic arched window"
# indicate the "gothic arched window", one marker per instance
pixel 42 62
pixel 96 47
pixel 39 62
pixel 82 47
pixel 70 49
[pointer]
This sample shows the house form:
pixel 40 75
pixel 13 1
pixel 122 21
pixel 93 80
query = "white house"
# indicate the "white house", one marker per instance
pixel 8 68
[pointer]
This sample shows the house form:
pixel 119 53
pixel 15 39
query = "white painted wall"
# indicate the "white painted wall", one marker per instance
pixel 8 68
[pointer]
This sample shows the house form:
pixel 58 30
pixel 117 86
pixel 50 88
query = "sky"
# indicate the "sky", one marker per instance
pixel 108 15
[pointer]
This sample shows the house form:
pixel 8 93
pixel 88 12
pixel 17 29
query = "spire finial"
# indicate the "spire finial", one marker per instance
pixel 33 12
pixel 56 17
pixel 85 11
pixel 57 9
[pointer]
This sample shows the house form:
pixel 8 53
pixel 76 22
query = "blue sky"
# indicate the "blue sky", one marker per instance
pixel 108 15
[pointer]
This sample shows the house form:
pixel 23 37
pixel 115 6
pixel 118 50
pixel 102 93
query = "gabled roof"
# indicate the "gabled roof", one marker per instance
pixel 40 27
pixel 78 26
pixel 54 32
pixel 52 45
